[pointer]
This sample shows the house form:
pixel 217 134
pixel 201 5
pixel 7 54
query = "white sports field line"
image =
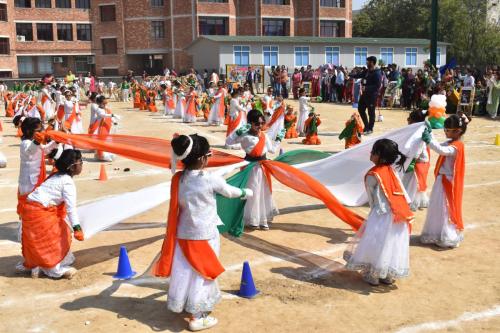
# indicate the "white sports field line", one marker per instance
pixel 446 324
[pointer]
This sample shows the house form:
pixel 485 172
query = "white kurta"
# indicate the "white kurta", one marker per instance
pixel 47 106
pixel 188 291
pixel 235 110
pixel 418 199
pixel 180 105
pixel 260 209
pixel 381 248
pixel 438 228
pixel 30 162
pixel 213 117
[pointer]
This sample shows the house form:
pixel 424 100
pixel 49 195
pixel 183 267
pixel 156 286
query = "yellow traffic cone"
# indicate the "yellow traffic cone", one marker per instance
pixel 497 140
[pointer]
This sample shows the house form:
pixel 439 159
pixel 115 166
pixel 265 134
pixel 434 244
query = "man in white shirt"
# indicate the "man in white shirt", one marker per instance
pixel 469 81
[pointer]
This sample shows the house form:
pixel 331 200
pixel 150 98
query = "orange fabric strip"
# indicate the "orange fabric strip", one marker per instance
pixel 233 124
pixel 258 150
pixel 394 192
pixel 303 183
pixel 191 106
pixel 201 257
pixel 46 237
pixel 276 115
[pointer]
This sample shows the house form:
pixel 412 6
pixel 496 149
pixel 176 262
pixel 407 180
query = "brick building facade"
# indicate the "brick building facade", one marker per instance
pixel 112 36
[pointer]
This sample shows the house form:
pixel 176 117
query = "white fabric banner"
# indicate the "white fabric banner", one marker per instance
pixel 343 173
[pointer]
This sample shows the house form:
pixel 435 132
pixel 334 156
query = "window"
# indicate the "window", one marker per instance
pixel 22 3
pixel 25 65
pixel 332 55
pixel 45 65
pixel 108 13
pixel 275 2
pixel 213 25
pixel 84 32
pixel 241 55
pixel 3 12
pixel 25 29
pixel 44 31
pixel 82 64
pixel 4 46
pixel 360 55
pixel 43 3
pixel 411 56
pixel 109 46
pixel 82 4
pixel 438 56
pixel 332 3
pixel 301 56
pixel 274 27
pixel 329 29
pixel 64 32
pixel 110 71
pixel 5 74
pixel 157 3
pixel 157 29
pixel 387 55
pixel 270 54
pixel 63 3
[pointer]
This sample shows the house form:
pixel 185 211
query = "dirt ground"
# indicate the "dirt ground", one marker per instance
pixel 297 265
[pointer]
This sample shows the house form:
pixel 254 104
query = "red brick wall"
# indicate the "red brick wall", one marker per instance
pixel 8 29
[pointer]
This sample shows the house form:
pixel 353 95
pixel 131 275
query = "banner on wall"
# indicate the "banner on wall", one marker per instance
pixel 237 74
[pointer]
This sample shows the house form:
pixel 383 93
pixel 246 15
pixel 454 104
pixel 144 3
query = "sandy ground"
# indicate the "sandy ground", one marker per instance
pixel 297 266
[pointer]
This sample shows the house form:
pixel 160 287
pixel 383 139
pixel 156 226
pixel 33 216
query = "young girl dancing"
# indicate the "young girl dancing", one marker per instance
pixel 46 237
pixel 237 117
pixel 415 177
pixel 444 224
pixel 190 251
pixel 259 210
pixel 382 245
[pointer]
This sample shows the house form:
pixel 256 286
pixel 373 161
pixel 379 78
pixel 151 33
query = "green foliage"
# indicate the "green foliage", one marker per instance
pixel 462 23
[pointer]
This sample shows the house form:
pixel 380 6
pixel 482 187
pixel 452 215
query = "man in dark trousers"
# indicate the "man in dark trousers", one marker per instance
pixel 251 79
pixel 370 86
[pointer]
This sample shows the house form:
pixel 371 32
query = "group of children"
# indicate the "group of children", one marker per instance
pixel 189 255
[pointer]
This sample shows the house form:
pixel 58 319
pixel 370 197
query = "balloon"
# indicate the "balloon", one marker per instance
pixel 319 99
pixel 437 123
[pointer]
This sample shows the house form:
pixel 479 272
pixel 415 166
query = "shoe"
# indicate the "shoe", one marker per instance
pixel 202 323
pixel 253 227
pixel 35 273
pixel 70 273
pixel 388 281
pixel 264 228
pixel 371 280
pixel 367 132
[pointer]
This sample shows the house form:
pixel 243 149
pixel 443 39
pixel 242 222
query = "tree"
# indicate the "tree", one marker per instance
pixel 462 23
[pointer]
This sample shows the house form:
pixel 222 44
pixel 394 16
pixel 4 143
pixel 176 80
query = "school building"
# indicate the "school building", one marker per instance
pixel 297 51
pixel 111 36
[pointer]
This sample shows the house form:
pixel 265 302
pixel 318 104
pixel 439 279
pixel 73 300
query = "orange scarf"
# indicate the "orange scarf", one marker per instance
pixel 394 193
pixel 198 253
pixel 421 172
pixel 454 190
pixel 46 237
pixel 222 105
pixel 276 115
pixel 191 108
pixel 258 150
pixel 233 124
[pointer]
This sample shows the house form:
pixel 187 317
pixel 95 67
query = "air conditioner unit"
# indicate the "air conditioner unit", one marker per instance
pixel 58 60
pixel 90 60
pixel 21 38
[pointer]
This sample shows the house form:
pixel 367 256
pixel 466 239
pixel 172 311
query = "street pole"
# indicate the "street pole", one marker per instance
pixel 434 21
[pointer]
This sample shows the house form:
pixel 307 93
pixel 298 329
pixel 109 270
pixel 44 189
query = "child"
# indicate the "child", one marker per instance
pixel 125 88
pixel 303 111
pixel 190 115
pixel 180 107
pixel 259 210
pixel 237 117
pixel 290 123
pixel 268 102
pixel 382 244
pixel 311 129
pixel 190 250
pixel 415 177
pixel 353 130
pixel 46 237
pixel 218 108
pixel 444 224
pixel 102 126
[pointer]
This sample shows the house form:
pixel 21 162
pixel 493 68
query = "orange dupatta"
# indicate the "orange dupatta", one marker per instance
pixel 454 190
pixel 276 115
pixel 421 172
pixel 198 253
pixel 191 108
pixel 394 193
pixel 233 124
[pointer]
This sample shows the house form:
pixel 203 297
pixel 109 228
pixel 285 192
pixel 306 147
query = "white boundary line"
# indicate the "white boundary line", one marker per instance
pixel 444 324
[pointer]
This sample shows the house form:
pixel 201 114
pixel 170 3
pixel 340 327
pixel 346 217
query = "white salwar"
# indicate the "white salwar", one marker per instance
pixel 234 110
pixel 381 247
pixel 418 199
pixel 259 209
pixel 438 229
pixel 47 106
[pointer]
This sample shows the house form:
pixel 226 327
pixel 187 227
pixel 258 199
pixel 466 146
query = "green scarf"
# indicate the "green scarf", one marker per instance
pixel 348 130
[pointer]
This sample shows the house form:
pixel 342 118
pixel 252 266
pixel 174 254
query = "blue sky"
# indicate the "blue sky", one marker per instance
pixel 357 4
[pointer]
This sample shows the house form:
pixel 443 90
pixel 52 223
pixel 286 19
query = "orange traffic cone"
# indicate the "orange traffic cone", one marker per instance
pixel 102 174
